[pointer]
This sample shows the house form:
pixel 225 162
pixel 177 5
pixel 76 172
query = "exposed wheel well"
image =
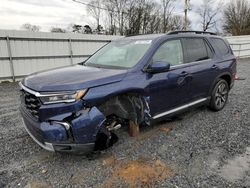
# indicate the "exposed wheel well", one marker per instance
pixel 227 78
pixel 128 106
pixel 125 109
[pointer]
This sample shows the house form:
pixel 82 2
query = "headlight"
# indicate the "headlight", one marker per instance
pixel 62 98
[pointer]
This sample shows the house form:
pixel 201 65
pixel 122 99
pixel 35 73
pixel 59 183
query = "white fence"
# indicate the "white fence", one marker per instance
pixel 240 45
pixel 23 53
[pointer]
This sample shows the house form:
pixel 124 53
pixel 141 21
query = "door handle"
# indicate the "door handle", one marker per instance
pixel 184 73
pixel 214 67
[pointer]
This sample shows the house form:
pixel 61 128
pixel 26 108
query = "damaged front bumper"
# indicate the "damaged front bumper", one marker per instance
pixel 74 133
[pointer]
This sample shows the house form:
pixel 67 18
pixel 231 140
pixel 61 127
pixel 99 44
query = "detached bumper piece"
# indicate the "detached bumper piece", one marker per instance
pixel 78 135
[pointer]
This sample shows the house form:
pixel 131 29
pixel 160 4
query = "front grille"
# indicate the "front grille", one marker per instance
pixel 31 103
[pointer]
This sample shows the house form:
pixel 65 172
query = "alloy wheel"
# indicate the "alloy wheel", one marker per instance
pixel 221 95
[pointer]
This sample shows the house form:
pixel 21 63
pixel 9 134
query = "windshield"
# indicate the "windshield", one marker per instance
pixel 120 54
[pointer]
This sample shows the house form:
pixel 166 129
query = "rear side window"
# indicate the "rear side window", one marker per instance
pixel 221 46
pixel 196 50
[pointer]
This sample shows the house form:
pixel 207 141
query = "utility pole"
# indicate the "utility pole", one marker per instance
pixel 185 11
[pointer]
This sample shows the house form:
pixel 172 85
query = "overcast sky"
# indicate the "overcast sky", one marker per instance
pixel 61 13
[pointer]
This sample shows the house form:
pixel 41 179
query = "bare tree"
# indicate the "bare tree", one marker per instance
pixel 177 23
pixel 87 29
pixel 120 13
pixel 148 13
pixel 208 12
pixel 167 10
pixel 110 7
pixel 94 8
pixel 144 16
pixel 77 28
pixel 135 16
pixel 237 17
pixel 155 23
pixel 155 20
pixel 30 27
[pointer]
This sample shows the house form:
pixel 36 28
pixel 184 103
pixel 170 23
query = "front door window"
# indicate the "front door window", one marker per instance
pixel 170 52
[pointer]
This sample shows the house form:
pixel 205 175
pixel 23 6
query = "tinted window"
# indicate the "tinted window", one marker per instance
pixel 221 46
pixel 171 52
pixel 196 50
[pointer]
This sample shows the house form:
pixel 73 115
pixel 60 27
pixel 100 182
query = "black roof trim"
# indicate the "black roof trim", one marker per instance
pixel 194 32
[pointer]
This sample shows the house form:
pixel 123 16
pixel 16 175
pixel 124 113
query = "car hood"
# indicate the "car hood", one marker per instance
pixel 72 78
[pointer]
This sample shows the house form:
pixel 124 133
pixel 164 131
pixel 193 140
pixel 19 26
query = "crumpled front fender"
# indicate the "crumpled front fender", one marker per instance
pixel 86 126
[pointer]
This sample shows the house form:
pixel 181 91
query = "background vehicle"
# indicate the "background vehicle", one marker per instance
pixel 131 81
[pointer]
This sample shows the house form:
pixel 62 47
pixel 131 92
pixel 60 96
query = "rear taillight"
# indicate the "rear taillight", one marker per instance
pixel 235 77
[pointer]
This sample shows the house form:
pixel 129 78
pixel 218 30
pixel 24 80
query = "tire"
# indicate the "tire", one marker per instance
pixel 103 141
pixel 219 95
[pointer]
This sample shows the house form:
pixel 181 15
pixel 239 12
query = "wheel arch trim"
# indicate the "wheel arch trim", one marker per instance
pixel 217 79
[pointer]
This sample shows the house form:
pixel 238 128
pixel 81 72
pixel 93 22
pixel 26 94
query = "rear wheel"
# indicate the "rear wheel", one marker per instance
pixel 219 95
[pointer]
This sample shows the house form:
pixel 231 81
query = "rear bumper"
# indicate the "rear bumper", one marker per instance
pixel 75 136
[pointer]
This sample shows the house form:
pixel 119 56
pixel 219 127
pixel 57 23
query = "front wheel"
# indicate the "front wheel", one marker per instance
pixel 219 95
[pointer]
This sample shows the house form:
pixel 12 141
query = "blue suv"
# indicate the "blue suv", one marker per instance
pixel 131 81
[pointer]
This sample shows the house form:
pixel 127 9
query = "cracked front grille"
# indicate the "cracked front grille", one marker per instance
pixel 31 103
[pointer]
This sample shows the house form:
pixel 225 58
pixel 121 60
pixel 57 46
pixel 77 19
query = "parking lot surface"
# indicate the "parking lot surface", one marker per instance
pixel 199 149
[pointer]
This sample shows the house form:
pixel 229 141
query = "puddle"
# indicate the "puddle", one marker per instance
pixel 236 168
pixel 140 172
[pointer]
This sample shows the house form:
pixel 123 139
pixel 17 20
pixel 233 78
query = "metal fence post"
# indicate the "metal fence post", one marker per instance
pixel 70 51
pixel 10 58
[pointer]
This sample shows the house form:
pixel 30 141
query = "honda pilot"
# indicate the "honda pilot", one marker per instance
pixel 129 82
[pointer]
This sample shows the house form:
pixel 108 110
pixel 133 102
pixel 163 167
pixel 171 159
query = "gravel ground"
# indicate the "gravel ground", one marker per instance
pixel 200 149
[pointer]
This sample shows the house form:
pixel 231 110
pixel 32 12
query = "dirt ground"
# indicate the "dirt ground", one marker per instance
pixel 199 149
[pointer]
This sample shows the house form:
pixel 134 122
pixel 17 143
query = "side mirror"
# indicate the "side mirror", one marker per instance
pixel 158 67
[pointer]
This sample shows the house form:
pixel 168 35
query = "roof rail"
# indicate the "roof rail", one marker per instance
pixel 196 32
